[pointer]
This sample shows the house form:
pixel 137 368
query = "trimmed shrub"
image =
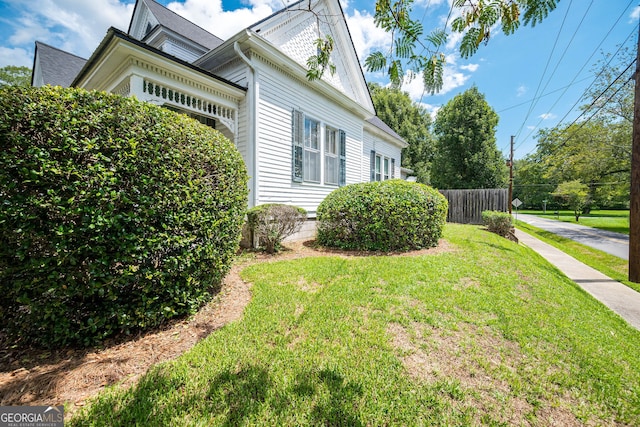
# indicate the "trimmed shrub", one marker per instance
pixel 116 214
pixel 498 222
pixel 390 215
pixel 272 223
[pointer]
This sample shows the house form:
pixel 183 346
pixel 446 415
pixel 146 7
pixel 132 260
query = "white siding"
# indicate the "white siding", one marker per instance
pixel 381 147
pixel 279 96
pixel 181 50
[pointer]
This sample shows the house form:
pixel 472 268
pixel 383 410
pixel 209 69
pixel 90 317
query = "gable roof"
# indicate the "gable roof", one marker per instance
pixel 176 23
pixel 56 67
pixel 294 30
pixel 114 33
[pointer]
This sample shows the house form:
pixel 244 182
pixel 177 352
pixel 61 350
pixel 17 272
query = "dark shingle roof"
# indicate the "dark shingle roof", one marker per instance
pixel 182 26
pixel 377 122
pixel 58 68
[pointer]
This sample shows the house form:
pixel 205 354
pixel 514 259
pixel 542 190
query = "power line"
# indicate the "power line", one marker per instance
pixel 555 43
pixel 595 50
pixel 583 123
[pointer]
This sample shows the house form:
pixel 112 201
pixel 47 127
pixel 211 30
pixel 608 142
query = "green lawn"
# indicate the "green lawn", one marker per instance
pixel 487 333
pixel 609 265
pixel 612 220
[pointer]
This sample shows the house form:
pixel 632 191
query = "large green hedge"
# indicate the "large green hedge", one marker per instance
pixel 391 215
pixel 116 214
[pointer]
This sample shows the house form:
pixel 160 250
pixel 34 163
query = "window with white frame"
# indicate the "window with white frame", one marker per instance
pixel 318 152
pixel 382 167
pixel 311 167
pixel 331 159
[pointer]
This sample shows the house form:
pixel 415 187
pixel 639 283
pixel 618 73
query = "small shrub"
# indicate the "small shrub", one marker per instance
pixel 498 222
pixel 390 215
pixel 116 214
pixel 272 223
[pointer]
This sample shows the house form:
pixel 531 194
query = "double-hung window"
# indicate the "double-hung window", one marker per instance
pixel 331 159
pixel 318 152
pixel 382 167
pixel 311 167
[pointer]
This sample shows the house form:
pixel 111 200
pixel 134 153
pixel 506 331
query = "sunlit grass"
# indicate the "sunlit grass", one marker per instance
pixel 485 334
pixel 610 220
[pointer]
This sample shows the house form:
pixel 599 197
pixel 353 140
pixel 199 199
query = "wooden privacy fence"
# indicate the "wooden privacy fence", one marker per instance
pixel 466 206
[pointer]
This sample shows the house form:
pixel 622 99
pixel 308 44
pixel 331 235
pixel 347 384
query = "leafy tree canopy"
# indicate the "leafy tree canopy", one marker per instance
pixel 466 154
pixel 12 75
pixel 412 122
pixel 412 52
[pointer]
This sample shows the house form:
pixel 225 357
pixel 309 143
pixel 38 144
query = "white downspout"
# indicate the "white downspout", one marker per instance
pixel 252 119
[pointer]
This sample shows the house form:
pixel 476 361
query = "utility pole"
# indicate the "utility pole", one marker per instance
pixel 634 203
pixel 511 177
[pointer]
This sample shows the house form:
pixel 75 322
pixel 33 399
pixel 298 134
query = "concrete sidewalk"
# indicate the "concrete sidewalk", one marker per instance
pixel 618 297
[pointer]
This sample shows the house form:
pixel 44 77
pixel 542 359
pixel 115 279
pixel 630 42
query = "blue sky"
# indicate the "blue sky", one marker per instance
pixel 533 79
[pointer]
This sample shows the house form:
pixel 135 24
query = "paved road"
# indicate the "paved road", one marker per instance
pixel 607 241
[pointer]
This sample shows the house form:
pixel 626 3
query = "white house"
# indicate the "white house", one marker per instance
pixel 300 139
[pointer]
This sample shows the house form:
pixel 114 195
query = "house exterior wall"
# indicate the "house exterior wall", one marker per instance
pixel 381 147
pixel 280 94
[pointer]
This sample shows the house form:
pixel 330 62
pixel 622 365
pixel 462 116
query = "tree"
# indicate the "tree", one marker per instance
pixel 575 194
pixel 12 75
pixel 466 152
pixel 412 52
pixel 530 182
pixel 412 122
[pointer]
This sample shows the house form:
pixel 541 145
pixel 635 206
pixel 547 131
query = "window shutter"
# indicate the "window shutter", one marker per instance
pixel 297 148
pixel 342 174
pixel 393 168
pixel 373 165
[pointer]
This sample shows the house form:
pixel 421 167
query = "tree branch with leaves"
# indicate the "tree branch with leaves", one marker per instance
pixel 412 53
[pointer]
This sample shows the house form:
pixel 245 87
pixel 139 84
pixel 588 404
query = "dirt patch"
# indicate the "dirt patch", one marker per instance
pixel 479 360
pixel 30 376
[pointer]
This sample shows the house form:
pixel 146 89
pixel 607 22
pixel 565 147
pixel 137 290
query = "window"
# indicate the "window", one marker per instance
pixel 331 160
pixel 311 167
pixel 382 167
pixel 318 152
pixel 386 168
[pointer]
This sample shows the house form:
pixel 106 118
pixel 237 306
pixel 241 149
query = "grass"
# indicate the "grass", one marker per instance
pixel 611 220
pixel 485 334
pixel 609 265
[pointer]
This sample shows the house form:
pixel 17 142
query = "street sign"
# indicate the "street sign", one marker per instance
pixel 516 202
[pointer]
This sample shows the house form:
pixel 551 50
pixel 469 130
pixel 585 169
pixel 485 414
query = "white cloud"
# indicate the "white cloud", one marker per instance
pixel 470 67
pixel 73 25
pixel 522 89
pixel 15 56
pixel 365 35
pixel 635 14
pixel 547 116
pixel 211 16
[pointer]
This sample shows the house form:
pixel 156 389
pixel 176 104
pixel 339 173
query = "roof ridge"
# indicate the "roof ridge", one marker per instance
pixel 182 18
pixel 59 50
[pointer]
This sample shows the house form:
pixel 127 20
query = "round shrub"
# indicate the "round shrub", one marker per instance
pixel 390 215
pixel 116 214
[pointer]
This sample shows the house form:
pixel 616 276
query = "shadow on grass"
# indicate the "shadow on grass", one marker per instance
pixel 234 397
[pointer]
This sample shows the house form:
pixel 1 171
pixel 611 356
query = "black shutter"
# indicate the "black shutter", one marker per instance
pixel 373 165
pixel 342 174
pixel 393 168
pixel 297 149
